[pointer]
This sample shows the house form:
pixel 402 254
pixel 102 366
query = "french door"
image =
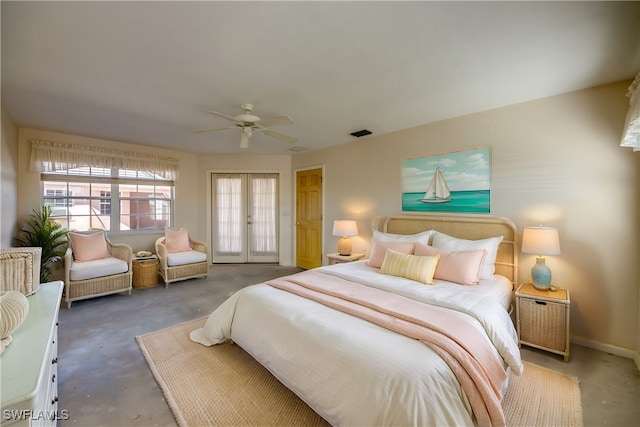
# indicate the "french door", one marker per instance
pixel 245 217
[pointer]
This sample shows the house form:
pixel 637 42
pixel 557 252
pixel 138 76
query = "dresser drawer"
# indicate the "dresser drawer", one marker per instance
pixel 50 402
pixel 30 364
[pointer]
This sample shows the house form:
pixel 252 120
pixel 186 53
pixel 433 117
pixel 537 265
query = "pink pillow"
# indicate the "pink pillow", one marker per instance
pixel 89 247
pixel 379 248
pixel 461 267
pixel 176 240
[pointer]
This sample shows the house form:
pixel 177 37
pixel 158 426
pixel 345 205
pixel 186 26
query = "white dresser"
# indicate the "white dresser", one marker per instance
pixel 28 367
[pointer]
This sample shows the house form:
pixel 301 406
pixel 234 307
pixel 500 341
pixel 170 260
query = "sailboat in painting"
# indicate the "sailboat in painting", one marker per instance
pixel 438 190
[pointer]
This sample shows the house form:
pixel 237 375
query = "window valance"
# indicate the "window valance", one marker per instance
pixel 631 132
pixel 47 156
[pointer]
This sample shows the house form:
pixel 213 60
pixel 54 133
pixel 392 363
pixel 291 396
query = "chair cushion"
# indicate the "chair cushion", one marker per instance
pixel 183 258
pixel 97 268
pixel 89 247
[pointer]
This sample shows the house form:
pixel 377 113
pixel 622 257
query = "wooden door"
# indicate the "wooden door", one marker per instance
pixel 309 218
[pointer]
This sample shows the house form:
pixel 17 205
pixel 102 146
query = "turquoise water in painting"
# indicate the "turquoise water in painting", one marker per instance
pixel 461 201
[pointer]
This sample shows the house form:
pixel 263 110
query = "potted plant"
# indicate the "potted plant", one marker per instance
pixel 43 232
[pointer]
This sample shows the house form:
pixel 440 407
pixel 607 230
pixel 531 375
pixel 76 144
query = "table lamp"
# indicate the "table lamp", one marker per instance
pixel 541 241
pixel 345 228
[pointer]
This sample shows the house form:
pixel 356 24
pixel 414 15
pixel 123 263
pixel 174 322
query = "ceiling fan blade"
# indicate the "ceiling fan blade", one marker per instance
pixel 212 130
pixel 276 121
pixel 277 135
pixel 224 116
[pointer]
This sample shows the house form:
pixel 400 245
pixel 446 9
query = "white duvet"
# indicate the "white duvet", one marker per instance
pixel 350 371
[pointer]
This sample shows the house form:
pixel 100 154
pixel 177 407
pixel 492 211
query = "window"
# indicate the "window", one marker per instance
pixel 105 202
pixel 56 197
pixel 109 199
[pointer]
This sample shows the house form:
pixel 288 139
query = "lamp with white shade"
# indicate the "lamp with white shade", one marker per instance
pixel 541 241
pixel 345 228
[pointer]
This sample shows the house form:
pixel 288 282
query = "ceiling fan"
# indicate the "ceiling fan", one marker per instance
pixel 249 123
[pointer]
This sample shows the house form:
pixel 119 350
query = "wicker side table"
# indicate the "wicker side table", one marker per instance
pixel 339 259
pixel 543 319
pixel 145 272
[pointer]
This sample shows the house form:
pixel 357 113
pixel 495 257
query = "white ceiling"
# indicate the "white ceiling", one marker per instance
pixel 147 72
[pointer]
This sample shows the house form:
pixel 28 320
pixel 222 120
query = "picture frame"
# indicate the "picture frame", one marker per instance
pixel 459 181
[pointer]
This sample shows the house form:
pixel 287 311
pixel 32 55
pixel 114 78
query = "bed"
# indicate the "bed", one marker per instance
pixel 370 343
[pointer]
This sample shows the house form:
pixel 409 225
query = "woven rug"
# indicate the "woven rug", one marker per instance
pixel 223 385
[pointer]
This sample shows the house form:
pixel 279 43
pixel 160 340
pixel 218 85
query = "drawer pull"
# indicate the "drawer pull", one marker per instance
pixel 53 378
pixel 54 360
pixel 541 303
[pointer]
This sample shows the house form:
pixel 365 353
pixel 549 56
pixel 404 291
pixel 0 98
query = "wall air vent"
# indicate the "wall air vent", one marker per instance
pixel 361 133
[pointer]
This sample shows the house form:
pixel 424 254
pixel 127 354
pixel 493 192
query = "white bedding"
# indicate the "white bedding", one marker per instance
pixel 349 370
pixel 498 288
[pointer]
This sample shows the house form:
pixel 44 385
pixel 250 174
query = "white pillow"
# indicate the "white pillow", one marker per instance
pixel 422 237
pixel 490 245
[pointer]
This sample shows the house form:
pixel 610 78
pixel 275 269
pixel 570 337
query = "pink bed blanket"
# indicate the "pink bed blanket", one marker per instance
pixel 468 354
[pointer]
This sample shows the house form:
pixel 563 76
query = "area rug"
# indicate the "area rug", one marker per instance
pixel 223 385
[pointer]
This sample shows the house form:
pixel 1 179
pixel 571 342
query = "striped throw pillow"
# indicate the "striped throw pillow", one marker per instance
pixel 418 268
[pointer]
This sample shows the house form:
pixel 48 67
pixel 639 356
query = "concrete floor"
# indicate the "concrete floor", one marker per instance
pixel 105 381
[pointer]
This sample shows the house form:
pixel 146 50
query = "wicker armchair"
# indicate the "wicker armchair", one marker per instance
pixel 92 287
pixel 172 269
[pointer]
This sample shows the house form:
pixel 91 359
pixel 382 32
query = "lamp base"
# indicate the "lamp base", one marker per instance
pixel 344 246
pixel 541 275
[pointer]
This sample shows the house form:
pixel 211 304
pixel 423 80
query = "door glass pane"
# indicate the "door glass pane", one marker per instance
pixel 263 219
pixel 228 203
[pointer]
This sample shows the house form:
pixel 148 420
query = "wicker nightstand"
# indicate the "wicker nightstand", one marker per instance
pixel 338 259
pixel 145 272
pixel 542 319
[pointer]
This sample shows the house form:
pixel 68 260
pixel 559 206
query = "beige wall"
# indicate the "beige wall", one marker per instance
pixel 8 180
pixel 185 190
pixel 555 161
pixel 191 191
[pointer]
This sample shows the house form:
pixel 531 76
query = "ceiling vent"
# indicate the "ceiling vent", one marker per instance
pixel 361 133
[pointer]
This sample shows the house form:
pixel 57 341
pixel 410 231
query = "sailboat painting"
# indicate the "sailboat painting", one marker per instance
pixel 453 182
pixel 438 190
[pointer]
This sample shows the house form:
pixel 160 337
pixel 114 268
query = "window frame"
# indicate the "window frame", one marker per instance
pixel 112 183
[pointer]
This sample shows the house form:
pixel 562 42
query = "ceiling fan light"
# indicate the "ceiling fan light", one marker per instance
pixel 244 139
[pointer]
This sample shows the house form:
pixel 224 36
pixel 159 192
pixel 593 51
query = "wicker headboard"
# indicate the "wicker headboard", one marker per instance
pixel 471 227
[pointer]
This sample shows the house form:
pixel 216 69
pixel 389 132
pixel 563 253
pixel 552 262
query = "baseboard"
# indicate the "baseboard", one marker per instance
pixel 608 348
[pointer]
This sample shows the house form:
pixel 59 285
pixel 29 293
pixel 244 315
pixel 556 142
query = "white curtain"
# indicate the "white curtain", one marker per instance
pixel 239 200
pixel 264 221
pixel 631 133
pixel 229 212
pixel 47 156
